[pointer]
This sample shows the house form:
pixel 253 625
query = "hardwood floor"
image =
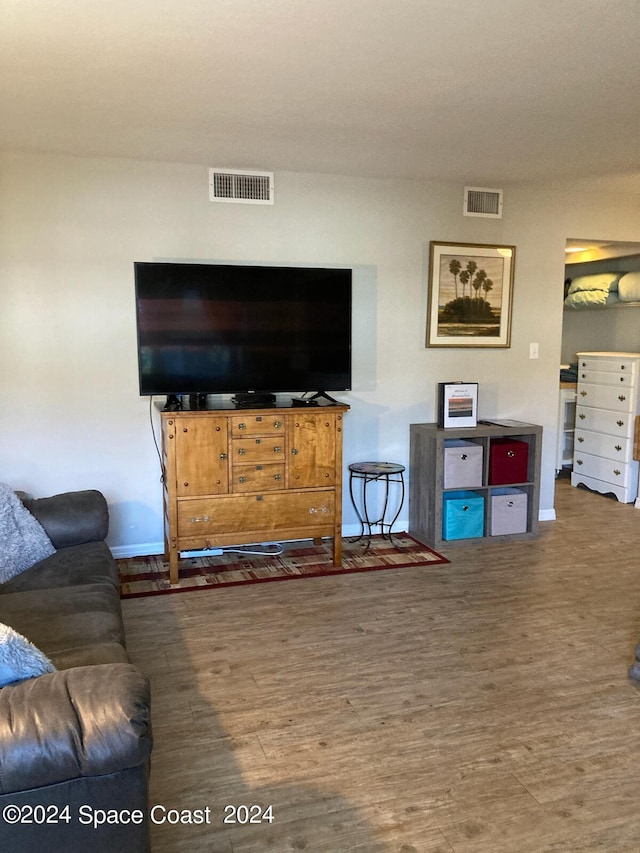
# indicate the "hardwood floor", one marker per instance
pixel 478 706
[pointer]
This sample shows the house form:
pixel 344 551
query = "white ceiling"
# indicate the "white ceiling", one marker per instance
pixel 482 91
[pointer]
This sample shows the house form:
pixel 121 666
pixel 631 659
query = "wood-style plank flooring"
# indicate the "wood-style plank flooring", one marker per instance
pixel 478 707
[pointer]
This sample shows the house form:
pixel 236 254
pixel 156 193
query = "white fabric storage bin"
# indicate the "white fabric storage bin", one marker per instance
pixel 462 464
pixel 508 511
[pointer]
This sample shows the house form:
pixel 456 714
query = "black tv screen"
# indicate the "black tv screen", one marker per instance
pixel 223 329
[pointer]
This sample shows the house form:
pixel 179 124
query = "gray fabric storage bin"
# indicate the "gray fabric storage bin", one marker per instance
pixel 508 511
pixel 462 464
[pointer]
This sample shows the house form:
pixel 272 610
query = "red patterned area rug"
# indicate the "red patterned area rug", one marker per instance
pixel 140 576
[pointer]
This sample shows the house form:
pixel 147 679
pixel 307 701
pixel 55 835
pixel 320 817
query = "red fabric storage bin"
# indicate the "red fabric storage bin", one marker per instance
pixel 508 461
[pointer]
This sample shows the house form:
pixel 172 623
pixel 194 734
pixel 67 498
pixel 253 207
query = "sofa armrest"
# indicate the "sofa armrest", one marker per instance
pixel 72 518
pixel 81 722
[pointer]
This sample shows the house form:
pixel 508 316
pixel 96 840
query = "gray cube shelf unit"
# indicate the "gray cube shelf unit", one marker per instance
pixel 427 479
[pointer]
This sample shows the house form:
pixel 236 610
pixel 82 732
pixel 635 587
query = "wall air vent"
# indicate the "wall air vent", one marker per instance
pixel 240 186
pixel 480 201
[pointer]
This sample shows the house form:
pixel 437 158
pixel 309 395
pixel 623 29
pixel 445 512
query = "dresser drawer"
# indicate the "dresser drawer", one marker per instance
pixel 264 449
pixel 625 379
pixel 257 478
pixel 617 399
pixel 613 366
pixel 244 425
pixel 601 420
pixel 278 511
pixel 601 444
pixel 607 470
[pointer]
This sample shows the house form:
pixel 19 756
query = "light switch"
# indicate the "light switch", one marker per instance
pixel 533 350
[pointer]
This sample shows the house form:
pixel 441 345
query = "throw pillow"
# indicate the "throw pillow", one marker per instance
pixel 20 659
pixel 23 540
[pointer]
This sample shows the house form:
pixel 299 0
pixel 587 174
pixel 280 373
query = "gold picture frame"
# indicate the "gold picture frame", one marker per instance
pixel 470 295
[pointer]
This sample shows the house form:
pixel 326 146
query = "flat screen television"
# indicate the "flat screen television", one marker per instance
pixel 230 329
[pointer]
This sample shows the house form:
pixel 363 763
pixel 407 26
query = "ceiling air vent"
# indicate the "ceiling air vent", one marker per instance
pixel 240 186
pixel 480 201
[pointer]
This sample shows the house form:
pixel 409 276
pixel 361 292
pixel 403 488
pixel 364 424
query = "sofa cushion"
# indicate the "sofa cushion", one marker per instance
pixel 79 564
pixel 72 517
pixel 20 659
pixel 23 539
pixel 90 655
pixel 61 620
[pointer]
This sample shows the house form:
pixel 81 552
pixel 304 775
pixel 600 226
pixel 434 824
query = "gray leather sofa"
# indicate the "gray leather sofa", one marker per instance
pixel 75 743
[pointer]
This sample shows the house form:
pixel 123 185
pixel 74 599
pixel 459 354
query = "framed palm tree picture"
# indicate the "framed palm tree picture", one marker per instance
pixel 470 294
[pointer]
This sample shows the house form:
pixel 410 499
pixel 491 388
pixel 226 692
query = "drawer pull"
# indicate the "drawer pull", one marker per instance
pixel 618 448
pixel 242 451
pixel 465 508
pixel 616 472
pixel 583 393
pixel 242 426
pixel 313 509
pixel 583 376
pixel 580 439
pixel 621 397
pixel 463 456
pixel 622 367
pixel 258 441
pixel 511 453
pixel 510 503
pixel 620 423
pixel 223 456
pixel 258 467
pixel 579 461
pixel 277 424
pixel 198 518
pixel 277 449
pixel 294 451
pixel 242 479
pixel 582 416
pixel 277 477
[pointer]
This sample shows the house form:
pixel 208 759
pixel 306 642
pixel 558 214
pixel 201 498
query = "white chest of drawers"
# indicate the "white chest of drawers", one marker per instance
pixel 607 403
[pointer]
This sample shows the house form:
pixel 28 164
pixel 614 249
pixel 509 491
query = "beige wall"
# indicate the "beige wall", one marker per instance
pixel 70 230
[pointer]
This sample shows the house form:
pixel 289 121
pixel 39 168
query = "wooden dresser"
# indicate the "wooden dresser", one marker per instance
pixel 237 477
pixel 607 403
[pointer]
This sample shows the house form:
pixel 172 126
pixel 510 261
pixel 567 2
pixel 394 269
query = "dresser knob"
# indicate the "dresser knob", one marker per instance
pixel 618 448
pixel 580 439
pixel 621 397
pixel 616 472
pixel 620 423
pixel 579 461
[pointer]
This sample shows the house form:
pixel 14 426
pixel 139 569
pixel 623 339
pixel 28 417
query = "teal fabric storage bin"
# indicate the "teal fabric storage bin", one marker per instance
pixel 462 515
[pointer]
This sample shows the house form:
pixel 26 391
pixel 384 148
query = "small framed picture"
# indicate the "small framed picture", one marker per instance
pixel 470 291
pixel 457 404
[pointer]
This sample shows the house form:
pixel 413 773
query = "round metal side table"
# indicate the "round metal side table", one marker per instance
pixel 370 472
